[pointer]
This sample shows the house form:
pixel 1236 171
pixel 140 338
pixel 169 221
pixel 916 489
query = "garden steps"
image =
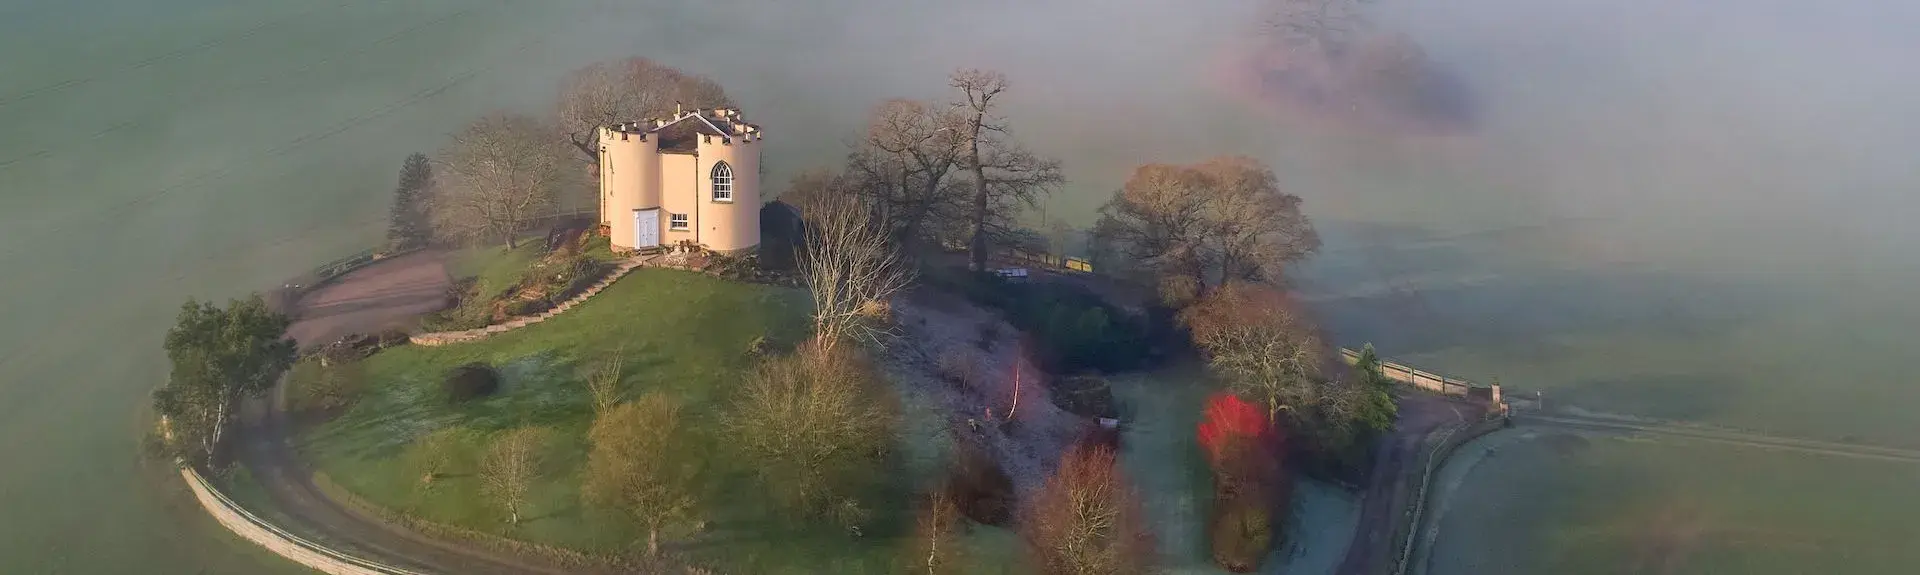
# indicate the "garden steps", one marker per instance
pixel 447 337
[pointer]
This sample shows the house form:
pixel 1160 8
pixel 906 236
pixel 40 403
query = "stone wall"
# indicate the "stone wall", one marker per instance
pixel 288 545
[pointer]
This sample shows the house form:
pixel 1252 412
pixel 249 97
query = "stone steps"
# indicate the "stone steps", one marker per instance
pixel 444 338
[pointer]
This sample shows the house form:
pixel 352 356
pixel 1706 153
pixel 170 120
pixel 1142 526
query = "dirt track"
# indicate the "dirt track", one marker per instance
pixel 386 294
pixel 1389 489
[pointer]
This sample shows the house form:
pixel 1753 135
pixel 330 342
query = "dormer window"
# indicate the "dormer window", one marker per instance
pixel 722 182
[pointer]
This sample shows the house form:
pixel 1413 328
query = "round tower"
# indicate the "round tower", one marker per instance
pixel 629 183
pixel 730 195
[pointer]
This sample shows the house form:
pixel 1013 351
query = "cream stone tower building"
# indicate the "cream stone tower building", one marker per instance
pixel 695 176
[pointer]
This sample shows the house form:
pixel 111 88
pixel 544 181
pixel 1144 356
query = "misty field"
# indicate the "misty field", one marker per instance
pixel 1565 503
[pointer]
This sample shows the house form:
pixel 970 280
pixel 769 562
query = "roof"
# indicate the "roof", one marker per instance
pixel 682 133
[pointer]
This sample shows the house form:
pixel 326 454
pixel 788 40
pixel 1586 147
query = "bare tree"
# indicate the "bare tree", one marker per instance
pixel 815 422
pixel 904 168
pixel 628 90
pixel 936 537
pixel 632 466
pixel 1158 222
pixel 495 178
pixel 1321 26
pixel 512 463
pixel 431 455
pixel 1204 225
pixel 848 268
pixel 1256 228
pixel 603 383
pixel 1257 339
pixel 1005 176
pixel 1087 520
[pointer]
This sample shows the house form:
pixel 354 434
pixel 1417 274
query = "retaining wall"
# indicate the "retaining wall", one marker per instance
pixel 447 337
pixel 288 545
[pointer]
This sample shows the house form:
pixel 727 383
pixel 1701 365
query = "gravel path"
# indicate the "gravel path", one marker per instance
pixel 390 293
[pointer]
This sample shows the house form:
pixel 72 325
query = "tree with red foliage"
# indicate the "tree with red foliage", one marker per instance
pixel 1243 448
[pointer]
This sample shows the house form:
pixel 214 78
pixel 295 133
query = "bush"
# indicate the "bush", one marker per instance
pixel 1088 520
pixel 526 307
pixel 1241 531
pixel 469 382
pixel 1085 396
pixel 979 487
pixel 1250 486
pixel 323 389
pixel 1073 329
pixel 817 424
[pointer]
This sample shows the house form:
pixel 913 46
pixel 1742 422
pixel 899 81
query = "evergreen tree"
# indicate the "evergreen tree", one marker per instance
pixel 407 222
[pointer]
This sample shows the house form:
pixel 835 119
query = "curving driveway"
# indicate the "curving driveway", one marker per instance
pixel 1389 491
pixel 383 295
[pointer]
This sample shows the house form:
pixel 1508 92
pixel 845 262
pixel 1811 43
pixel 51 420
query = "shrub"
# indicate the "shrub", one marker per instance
pixel 1087 520
pixel 980 488
pixel 323 389
pixel 817 423
pixel 433 455
pixel 1073 329
pixel 469 382
pixel 1242 531
pixel 526 307
pixel 1249 484
pixel 956 368
pixel 1085 396
pixel 393 337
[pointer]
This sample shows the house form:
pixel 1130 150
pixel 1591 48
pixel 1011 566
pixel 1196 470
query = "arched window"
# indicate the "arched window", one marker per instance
pixel 722 182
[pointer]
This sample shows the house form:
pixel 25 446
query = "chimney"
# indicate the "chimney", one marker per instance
pixel 677 110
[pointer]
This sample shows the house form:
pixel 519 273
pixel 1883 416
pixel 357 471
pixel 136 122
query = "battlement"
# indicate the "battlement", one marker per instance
pixel 726 124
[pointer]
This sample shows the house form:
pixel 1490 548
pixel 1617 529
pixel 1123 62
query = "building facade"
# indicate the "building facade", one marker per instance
pixel 693 177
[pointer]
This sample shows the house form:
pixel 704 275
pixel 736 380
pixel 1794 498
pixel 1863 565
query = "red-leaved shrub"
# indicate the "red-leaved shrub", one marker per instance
pixel 1250 489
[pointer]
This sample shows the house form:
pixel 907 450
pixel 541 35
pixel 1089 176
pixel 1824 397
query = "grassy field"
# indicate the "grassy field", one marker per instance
pixel 1606 504
pixel 682 333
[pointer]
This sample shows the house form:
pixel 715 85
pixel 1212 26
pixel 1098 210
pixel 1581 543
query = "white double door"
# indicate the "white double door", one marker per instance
pixel 646 228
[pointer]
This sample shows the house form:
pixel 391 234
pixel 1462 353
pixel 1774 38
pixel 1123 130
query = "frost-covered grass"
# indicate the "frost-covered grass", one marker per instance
pixel 1551 502
pixel 684 334
pixel 1164 463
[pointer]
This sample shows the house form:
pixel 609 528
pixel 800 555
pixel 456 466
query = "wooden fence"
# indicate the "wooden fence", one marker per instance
pixel 1421 379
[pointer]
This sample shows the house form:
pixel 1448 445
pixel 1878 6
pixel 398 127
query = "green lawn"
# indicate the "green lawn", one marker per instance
pixel 493 267
pixel 683 333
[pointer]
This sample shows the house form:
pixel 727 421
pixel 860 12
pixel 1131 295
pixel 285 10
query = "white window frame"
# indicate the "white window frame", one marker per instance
pixel 722 176
pixel 677 222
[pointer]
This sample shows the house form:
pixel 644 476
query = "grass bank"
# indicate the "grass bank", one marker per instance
pixel 685 334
